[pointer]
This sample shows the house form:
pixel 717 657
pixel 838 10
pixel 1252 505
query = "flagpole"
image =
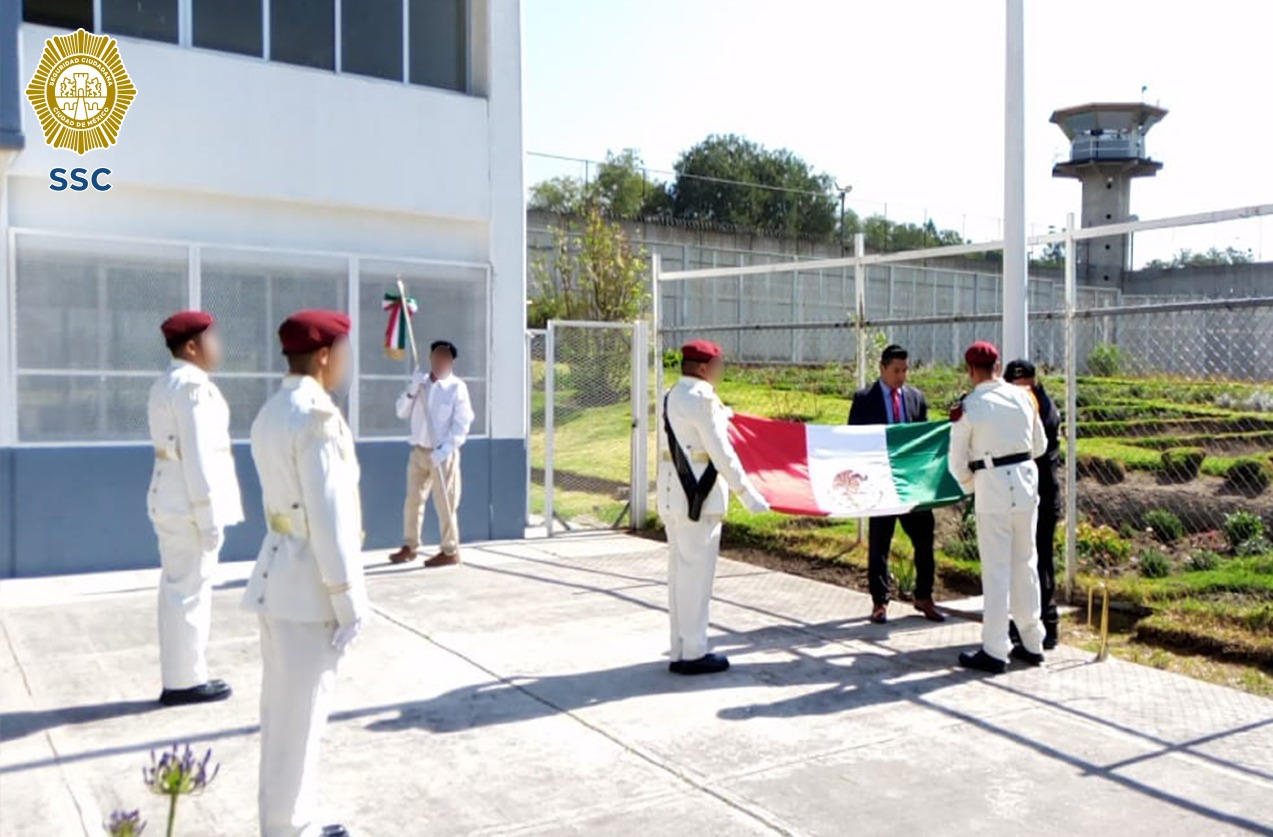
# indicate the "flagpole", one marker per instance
pixel 406 315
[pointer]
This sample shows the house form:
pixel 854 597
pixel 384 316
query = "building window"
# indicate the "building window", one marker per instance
pixel 371 38
pixel 303 32
pixel 438 45
pixel 250 293
pixel 64 14
pixel 228 25
pixel 87 331
pixel 452 306
pixel 155 20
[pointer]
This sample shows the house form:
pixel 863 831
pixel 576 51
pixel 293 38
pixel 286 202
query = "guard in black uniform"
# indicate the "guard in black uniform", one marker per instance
pixel 1023 374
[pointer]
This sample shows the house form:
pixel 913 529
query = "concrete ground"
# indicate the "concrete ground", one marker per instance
pixel 524 693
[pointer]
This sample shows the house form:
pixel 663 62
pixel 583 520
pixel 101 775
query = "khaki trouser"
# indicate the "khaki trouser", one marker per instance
pixel 444 482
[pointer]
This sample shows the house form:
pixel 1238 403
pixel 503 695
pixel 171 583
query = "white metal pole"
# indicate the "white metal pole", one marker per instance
pixel 1071 412
pixel 530 412
pixel 550 343
pixel 1016 337
pixel 859 295
pixel 656 271
pixel 639 493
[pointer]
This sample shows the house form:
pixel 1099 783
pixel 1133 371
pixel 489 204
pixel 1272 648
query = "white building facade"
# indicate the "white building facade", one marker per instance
pixel 274 158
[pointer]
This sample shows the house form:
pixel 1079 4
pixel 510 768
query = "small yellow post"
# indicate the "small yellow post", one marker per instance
pixel 1091 601
pixel 1103 654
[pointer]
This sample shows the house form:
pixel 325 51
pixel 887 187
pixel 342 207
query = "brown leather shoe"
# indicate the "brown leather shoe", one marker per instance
pixel 879 613
pixel 443 560
pixel 930 611
pixel 403 555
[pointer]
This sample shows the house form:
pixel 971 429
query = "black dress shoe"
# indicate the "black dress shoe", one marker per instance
pixel 707 664
pixel 981 661
pixel 1021 655
pixel 210 692
pixel 335 831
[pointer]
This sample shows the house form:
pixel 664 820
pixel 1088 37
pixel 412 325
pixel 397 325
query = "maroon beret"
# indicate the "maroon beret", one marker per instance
pixel 700 351
pixel 981 353
pixel 186 324
pixel 310 330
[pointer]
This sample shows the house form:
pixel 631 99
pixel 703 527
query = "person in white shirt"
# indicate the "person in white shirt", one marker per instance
pixel 438 406
pixel 194 495
pixel 995 437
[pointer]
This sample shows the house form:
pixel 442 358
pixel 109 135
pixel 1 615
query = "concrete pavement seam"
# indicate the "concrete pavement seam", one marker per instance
pixel 761 816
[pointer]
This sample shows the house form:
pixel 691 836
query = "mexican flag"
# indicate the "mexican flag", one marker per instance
pixel 846 471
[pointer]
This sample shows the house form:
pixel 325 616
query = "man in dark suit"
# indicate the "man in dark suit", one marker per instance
pixel 1022 373
pixel 890 400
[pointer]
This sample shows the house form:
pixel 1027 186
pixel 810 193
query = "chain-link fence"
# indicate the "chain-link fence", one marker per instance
pixel 589 437
pixel 1163 382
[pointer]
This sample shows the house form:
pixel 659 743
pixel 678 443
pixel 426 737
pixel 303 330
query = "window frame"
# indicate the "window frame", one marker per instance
pixel 12 372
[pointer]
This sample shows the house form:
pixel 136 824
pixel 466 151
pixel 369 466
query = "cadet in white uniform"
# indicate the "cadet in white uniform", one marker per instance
pixel 307 586
pixel 194 495
pixel 994 440
pixel 692 501
pixel 438 406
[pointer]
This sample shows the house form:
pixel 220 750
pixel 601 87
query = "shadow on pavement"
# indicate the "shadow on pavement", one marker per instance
pixel 15 725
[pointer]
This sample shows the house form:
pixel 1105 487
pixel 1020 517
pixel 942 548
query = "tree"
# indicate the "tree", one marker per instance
pixel 620 189
pixel 593 273
pixel 732 180
pixel 885 236
pixel 1206 258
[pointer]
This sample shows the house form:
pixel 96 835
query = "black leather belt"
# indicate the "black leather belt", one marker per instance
pixel 1000 461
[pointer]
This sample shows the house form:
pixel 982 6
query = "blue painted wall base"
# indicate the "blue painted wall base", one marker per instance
pixel 83 509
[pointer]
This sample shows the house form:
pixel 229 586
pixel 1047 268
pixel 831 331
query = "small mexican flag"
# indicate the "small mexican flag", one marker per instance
pixel 846 471
pixel 399 308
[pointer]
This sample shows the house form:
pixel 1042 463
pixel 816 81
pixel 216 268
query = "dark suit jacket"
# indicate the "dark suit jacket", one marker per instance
pixel 868 405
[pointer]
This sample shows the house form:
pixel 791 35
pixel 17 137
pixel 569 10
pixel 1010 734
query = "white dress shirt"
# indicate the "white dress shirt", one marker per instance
pixel 440 412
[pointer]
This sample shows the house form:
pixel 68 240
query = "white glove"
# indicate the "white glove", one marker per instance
pixel 439 455
pixel 345 635
pixel 753 502
pixel 417 380
pixel 210 540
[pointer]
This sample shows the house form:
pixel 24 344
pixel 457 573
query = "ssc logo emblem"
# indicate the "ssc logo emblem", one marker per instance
pixel 81 91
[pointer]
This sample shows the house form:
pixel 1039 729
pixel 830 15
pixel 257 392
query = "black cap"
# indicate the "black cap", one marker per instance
pixel 1017 370
pixel 444 344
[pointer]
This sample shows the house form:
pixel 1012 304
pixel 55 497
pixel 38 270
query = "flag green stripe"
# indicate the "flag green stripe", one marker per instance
pixel 918 455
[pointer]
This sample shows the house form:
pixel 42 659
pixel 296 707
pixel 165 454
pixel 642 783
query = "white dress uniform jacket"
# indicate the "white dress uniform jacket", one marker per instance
pixel 308 579
pixel 194 495
pixel 701 424
pixel 1001 420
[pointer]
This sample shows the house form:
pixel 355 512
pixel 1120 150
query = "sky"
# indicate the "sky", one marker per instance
pixel 903 99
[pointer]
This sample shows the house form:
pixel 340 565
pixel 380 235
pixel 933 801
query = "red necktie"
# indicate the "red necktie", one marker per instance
pixel 897 407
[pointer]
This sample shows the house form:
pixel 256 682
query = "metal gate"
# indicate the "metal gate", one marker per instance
pixel 589 425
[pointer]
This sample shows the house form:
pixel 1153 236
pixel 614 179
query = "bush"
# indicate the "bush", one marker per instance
pixel 1241 527
pixel 963 550
pixel 1106 361
pixel 1153 564
pixel 1102 546
pixel 903 571
pixel 1165 525
pixel 1182 464
pixel 1254 547
pixel 1203 560
pixel 1249 476
pixel 1103 470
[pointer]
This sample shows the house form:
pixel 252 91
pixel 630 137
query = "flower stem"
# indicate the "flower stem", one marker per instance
pixel 172 814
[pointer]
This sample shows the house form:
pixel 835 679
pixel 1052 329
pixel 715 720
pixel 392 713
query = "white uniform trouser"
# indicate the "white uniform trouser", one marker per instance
pixel 1009 580
pixel 185 602
pixel 296 688
pixel 693 547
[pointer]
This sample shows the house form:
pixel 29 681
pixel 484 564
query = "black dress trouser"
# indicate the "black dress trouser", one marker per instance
pixel 919 527
pixel 1045 545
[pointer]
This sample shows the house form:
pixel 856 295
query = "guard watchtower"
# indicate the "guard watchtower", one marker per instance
pixel 1107 149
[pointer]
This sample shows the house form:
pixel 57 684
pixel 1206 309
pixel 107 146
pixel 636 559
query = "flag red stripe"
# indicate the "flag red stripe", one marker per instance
pixel 775 455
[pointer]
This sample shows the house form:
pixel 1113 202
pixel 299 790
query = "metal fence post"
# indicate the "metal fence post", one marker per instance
pixel 638 494
pixel 656 268
pixel 550 356
pixel 859 293
pixel 1071 415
